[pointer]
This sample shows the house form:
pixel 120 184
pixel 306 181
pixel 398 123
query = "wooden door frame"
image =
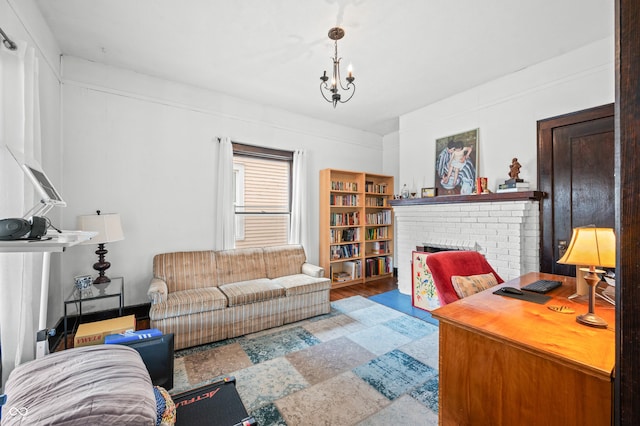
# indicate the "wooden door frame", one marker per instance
pixel 627 168
pixel 545 172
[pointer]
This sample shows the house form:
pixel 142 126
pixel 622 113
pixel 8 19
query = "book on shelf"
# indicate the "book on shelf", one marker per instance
pixel 352 268
pixel 346 271
pixel 377 188
pixel 376 233
pixel 508 185
pixel 345 251
pixel 375 202
pixel 379 247
pixel 341 277
pixel 512 190
pixel 344 186
pixel 379 266
pixel 343 200
pixel 379 218
pixel 344 219
pixel 345 235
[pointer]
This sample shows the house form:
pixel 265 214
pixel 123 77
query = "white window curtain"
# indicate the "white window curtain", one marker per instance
pixel 224 212
pixel 19 273
pixel 298 232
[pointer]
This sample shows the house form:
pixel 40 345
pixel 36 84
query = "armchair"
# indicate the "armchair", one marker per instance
pixel 445 264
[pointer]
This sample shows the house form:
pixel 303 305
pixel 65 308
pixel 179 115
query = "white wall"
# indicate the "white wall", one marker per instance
pixel 144 148
pixel 390 157
pixel 506 111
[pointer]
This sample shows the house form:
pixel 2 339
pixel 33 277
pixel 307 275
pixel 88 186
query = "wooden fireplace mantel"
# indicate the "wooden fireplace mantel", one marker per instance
pixel 473 198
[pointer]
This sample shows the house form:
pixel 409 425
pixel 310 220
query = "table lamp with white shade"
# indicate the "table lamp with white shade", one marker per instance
pixel 109 230
pixel 594 247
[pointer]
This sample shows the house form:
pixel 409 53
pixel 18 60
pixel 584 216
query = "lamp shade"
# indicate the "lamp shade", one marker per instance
pixel 107 226
pixel 591 246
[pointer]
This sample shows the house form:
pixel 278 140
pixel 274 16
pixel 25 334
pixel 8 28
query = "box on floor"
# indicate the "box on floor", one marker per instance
pixel 93 333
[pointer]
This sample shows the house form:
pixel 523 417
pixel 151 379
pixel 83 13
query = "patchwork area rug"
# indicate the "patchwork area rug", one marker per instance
pixel 361 364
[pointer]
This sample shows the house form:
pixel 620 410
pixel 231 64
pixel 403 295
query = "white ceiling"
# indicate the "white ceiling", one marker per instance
pixel 405 53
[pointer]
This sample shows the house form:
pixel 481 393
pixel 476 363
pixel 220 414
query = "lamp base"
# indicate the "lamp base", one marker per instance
pixel 582 288
pixel 102 279
pixel 592 320
pixel 101 265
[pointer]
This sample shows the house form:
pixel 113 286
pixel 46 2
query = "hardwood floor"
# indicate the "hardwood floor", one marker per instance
pixel 365 290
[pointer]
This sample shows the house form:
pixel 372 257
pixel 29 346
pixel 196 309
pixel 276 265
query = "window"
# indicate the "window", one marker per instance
pixel 262 179
pixel 238 200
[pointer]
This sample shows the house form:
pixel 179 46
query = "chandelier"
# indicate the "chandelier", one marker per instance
pixel 336 34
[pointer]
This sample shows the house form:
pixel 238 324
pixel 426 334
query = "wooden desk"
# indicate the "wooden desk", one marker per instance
pixel 505 361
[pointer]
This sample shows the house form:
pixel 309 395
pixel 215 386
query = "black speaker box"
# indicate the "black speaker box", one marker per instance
pixel 38 227
pixel 157 355
pixel 14 229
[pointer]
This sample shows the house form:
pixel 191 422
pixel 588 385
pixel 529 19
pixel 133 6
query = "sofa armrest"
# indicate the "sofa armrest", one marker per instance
pixel 157 291
pixel 312 270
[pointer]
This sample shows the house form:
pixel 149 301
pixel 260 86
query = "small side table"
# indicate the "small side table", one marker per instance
pixel 100 291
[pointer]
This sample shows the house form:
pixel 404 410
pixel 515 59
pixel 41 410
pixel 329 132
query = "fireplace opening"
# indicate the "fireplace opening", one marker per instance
pixel 434 247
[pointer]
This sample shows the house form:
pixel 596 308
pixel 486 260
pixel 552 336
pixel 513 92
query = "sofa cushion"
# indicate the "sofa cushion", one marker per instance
pixel 240 265
pixel 284 260
pixel 251 291
pixel 187 302
pixel 467 286
pixel 186 270
pixel 302 284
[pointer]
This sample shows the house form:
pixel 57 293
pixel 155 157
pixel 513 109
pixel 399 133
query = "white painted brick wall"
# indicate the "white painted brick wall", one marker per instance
pixel 506 232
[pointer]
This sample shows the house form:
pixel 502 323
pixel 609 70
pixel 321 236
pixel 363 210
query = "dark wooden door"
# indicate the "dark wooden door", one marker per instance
pixel 627 84
pixel 576 155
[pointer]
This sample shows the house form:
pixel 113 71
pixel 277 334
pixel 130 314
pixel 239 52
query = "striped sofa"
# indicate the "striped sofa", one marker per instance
pixel 206 296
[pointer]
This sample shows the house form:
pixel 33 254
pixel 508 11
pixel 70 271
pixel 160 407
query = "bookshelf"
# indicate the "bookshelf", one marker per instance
pixel 356 226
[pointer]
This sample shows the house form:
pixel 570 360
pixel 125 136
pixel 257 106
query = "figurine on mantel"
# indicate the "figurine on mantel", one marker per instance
pixel 514 170
pixel 514 183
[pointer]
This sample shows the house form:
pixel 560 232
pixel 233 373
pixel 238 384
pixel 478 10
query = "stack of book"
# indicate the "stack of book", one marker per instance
pixel 345 251
pixel 513 187
pixel 339 277
pixel 352 268
pixel 378 266
pixel 346 271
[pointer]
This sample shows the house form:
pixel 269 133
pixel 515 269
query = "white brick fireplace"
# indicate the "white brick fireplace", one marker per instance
pixel 505 230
